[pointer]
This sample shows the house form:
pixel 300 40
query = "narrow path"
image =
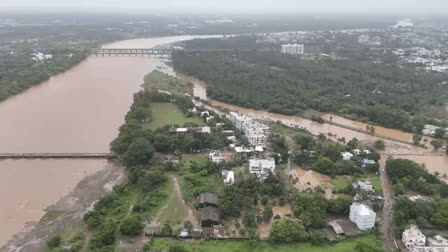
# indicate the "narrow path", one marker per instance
pixel 387 220
pixel 190 217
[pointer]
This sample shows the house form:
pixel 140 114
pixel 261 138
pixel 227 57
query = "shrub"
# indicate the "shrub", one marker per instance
pixel 131 225
pixel 54 242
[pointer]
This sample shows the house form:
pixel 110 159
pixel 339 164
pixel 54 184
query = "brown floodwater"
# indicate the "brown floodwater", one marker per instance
pixel 29 186
pixel 78 111
pixel 433 163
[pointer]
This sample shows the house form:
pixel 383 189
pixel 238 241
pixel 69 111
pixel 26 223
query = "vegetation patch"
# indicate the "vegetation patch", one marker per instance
pixel 370 240
pixel 169 114
pixel 160 81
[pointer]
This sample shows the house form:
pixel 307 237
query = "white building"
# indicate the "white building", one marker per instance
pixel 366 186
pixel 346 156
pixel 294 49
pixel 239 120
pixel 255 132
pixel 429 130
pixel 413 237
pixel 215 157
pixel 228 176
pixel 262 167
pixel 438 242
pixel 364 39
pixel 362 216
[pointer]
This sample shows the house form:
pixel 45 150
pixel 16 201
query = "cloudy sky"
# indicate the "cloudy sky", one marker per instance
pixel 420 7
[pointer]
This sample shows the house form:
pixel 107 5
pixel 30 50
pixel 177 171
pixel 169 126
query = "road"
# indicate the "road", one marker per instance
pixel 387 220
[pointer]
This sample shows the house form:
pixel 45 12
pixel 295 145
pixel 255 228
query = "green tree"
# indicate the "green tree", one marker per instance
pixel 54 242
pixel 317 237
pixel 267 213
pixel 140 152
pixel 188 225
pixel 131 225
pixel 287 230
pixel 366 247
pixel 166 230
pixel 379 144
pixel 436 144
pixel 325 165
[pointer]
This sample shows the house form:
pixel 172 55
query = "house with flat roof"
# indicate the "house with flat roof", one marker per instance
pixel 216 157
pixel 262 167
pixel 228 176
pixel 362 216
pixel 413 237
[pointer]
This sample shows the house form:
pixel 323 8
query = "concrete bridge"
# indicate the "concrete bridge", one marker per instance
pixel 53 155
pixel 161 52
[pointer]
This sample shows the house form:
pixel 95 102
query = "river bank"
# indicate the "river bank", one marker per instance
pixel 68 211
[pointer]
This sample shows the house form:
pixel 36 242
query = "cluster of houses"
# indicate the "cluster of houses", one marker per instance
pixel 347 156
pixel 415 241
pixel 430 130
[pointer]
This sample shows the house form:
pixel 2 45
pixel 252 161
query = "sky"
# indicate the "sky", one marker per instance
pixel 404 7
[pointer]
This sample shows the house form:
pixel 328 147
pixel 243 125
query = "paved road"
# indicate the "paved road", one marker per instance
pixel 387 225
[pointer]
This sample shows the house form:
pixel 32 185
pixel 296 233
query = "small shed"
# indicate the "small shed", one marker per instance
pixel 151 230
pixel 196 233
pixel 208 199
pixel 214 232
pixel 336 227
pixel 210 216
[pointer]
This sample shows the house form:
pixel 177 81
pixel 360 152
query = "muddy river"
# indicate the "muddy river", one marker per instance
pixel 432 162
pixel 81 111
pixel 78 111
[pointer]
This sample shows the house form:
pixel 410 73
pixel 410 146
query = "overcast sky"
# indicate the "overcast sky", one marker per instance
pixel 421 7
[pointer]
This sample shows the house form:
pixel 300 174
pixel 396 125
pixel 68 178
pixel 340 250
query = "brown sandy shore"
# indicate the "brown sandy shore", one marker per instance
pixel 71 208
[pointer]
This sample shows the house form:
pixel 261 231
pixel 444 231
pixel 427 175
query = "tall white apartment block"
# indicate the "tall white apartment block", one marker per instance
pixel 362 216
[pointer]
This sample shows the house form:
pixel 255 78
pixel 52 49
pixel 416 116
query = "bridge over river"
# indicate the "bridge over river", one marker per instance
pixel 54 155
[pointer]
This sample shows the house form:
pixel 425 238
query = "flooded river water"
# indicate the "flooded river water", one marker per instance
pixel 78 111
pixel 81 111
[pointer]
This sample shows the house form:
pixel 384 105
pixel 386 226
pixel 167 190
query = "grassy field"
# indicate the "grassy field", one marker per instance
pixel 161 81
pixel 174 210
pixel 288 133
pixel 245 246
pixel 341 183
pixel 168 114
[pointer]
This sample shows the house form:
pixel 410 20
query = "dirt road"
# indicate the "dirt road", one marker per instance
pixel 387 225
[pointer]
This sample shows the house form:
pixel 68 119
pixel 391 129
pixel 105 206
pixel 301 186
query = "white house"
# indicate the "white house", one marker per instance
pixel 362 216
pixel 438 242
pixel 346 156
pixel 228 176
pixel 215 157
pixel 366 186
pixel 262 167
pixel 356 151
pixel 413 237
pixel 239 120
pixel 429 130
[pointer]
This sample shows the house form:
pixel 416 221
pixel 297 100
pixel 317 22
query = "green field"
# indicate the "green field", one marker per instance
pixel 174 210
pixel 168 114
pixel 342 182
pixel 288 133
pixel 160 81
pixel 246 246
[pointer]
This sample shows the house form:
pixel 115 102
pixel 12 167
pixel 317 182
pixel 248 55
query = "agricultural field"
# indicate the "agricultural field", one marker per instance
pixel 247 246
pixel 169 114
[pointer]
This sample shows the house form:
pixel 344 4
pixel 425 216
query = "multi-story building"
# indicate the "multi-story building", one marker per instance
pixel 362 216
pixel 413 237
pixel 294 49
pixel 255 132
pixel 262 167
